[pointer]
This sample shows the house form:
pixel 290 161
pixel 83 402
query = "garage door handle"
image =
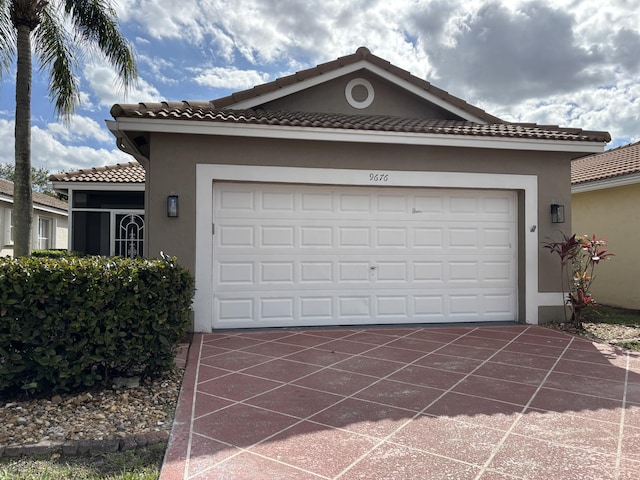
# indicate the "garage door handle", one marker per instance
pixel 373 267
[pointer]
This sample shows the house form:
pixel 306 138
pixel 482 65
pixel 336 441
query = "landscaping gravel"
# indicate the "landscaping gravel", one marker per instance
pixel 124 412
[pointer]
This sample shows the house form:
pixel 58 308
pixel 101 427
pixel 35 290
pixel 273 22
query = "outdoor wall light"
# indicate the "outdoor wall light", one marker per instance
pixel 557 213
pixel 172 206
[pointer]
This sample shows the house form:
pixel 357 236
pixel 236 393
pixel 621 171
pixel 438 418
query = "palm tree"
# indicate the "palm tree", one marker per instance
pixel 59 30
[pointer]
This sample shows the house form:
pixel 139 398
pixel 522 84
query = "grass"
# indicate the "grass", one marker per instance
pixel 140 464
pixel 614 315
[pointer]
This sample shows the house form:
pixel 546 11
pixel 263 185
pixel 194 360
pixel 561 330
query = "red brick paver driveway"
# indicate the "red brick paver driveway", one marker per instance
pixel 491 402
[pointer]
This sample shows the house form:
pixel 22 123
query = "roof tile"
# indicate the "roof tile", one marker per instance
pixel 6 188
pixel 131 172
pixel 361 122
pixel 624 160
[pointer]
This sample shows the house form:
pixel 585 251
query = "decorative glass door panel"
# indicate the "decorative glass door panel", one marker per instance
pixel 128 235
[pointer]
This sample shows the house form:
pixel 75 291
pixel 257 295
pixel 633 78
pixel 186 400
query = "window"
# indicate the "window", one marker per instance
pixel 44 233
pixel 8 227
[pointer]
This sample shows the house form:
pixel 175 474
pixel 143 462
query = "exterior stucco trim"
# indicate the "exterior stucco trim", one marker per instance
pixel 606 183
pixel 341 135
pixel 206 174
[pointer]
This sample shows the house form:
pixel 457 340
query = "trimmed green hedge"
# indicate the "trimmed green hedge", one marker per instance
pixel 70 323
pixel 55 253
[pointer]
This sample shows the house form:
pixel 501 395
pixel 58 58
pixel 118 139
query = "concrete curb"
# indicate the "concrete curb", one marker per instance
pixel 86 447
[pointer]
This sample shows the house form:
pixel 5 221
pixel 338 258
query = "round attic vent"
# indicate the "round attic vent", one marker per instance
pixel 359 93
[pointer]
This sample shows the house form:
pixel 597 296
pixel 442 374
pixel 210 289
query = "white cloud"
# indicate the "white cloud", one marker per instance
pixel 220 77
pixel 103 81
pixel 51 153
pixel 78 129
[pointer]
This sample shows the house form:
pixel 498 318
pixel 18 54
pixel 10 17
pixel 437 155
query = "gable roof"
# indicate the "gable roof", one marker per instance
pixel 248 112
pixel 39 199
pixel 362 58
pixel 611 165
pixel 130 172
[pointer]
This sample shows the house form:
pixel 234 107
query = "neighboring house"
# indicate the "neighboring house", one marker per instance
pixel 106 206
pixel 353 193
pixel 48 225
pixel 605 200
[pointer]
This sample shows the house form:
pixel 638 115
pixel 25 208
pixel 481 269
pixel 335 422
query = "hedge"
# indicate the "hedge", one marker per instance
pixel 72 323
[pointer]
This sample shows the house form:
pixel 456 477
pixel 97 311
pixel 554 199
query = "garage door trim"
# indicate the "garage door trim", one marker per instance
pixel 207 173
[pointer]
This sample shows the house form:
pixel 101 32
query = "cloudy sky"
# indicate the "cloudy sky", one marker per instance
pixel 573 63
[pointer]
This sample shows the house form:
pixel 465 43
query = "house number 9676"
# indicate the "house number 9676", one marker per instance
pixel 378 177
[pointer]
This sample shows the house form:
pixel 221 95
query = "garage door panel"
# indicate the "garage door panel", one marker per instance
pixel 236 236
pixel 316 272
pixel 317 202
pixel 358 272
pixel 395 237
pixel 288 255
pixel 234 273
pixel 277 272
pixel 351 237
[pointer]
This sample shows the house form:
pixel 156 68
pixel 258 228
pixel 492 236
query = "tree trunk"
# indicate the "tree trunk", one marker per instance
pixel 22 198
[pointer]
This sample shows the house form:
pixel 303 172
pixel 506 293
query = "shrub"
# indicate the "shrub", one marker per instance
pixel 55 253
pixel 71 323
pixel 578 255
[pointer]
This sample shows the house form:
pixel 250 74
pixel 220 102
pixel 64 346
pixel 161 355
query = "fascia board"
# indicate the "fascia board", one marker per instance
pixel 360 65
pixel 299 86
pixel 36 206
pixel 605 183
pixel 44 208
pixel 353 136
pixel 69 186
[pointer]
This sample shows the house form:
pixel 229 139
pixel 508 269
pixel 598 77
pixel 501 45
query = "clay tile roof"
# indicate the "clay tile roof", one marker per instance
pixel 131 172
pixel 6 188
pixel 383 123
pixel 616 162
pixel 221 110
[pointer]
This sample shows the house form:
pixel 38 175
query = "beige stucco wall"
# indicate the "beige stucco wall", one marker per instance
pixel 171 171
pixel 614 214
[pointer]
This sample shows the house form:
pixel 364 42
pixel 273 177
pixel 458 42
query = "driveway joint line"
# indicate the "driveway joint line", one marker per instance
pixel 421 412
pixel 497 448
pixel 622 419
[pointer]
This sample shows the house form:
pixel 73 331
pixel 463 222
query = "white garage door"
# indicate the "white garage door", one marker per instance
pixel 302 255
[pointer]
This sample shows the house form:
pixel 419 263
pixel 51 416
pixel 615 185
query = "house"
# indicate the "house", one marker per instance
pixel 605 198
pixel 353 193
pixel 106 207
pixel 49 221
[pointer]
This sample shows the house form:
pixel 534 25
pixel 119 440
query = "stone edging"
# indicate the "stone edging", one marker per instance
pixel 86 447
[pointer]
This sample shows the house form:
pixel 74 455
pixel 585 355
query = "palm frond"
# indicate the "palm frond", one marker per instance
pixel 95 23
pixel 54 50
pixel 7 38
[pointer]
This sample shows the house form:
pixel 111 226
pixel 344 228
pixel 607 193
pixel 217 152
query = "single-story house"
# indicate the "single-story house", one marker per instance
pixel 106 207
pixel 354 193
pixel 49 221
pixel 605 198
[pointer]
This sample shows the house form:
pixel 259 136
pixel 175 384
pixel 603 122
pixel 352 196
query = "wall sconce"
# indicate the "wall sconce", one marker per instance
pixel 172 206
pixel 557 213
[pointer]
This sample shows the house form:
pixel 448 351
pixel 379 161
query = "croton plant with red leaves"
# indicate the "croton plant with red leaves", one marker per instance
pixel 578 254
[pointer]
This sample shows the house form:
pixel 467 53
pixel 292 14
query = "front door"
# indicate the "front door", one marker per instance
pixel 128 234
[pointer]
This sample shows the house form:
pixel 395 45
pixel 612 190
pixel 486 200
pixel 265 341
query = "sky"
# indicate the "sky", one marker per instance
pixel 572 63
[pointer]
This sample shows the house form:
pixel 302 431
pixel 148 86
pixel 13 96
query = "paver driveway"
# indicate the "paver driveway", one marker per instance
pixel 462 402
